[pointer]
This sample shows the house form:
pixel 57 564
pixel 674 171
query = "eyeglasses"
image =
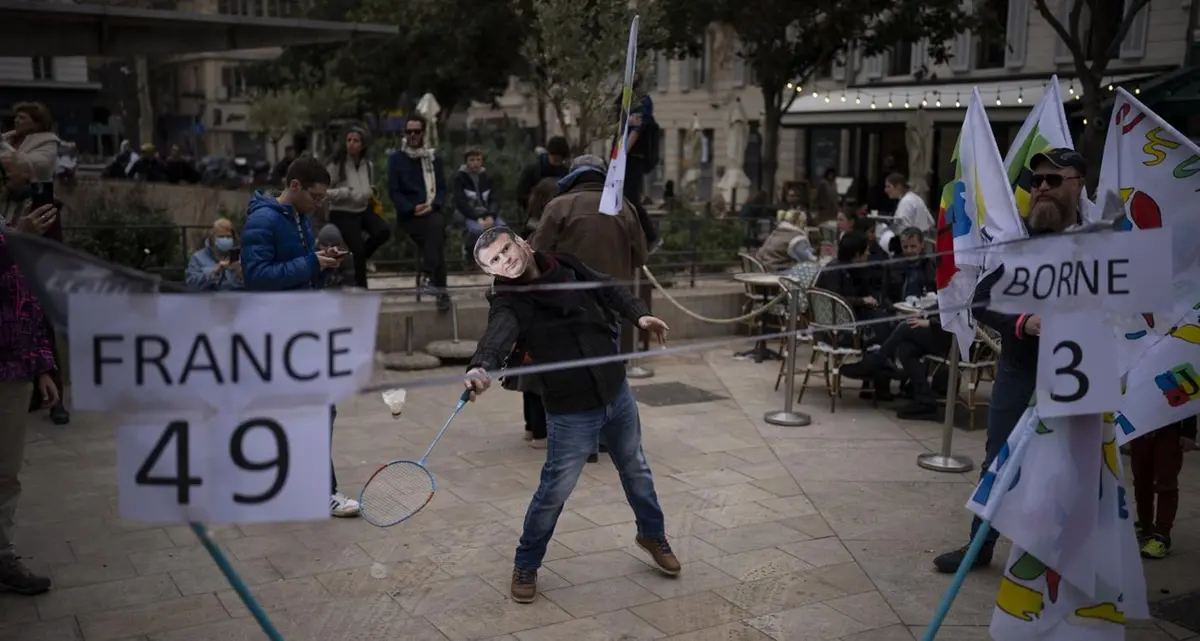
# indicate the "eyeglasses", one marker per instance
pixel 317 198
pixel 1051 181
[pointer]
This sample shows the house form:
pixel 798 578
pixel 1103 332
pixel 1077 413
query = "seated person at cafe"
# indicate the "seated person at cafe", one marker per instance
pixel 774 251
pixel 845 277
pixel 915 277
pixel 876 275
pixel 806 269
pixel 912 340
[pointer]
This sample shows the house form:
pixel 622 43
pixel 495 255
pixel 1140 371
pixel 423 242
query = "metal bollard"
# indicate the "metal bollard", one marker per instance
pixel 945 461
pixel 454 319
pixel 408 335
pixel 788 417
pixel 633 368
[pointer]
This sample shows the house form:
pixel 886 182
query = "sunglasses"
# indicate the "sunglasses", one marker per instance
pixel 1051 181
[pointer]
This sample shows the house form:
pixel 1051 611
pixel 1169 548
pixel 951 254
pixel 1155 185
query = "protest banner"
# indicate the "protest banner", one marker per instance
pixel 612 199
pixel 977 208
pixel 1156 171
pixel 1098 271
pixel 1045 127
pixel 1073 573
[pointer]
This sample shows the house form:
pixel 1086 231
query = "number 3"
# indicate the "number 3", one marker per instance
pixel 1082 385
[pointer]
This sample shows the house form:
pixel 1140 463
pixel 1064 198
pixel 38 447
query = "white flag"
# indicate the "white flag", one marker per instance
pixel 613 197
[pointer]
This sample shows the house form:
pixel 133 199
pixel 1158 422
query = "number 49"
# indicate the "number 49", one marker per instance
pixel 183 481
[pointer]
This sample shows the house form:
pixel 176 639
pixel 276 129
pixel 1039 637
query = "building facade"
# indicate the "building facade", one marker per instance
pixel 62 84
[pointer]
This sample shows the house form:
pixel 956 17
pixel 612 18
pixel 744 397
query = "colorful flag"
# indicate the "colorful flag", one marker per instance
pixel 1044 128
pixel 613 197
pixel 978 208
pixel 1074 572
pixel 1156 171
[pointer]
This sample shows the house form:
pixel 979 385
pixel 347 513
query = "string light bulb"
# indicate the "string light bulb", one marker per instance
pixel 843 96
pixel 826 99
pixel 937 99
pixel 889 101
pixel 1110 87
pixel 997 97
pixel 1020 96
pixel 906 101
pixel 957 104
pixel 1085 122
pixel 790 85
pixel 924 101
pixel 872 103
pixel 816 94
pixel 1071 88
pixel 799 89
pixel 1137 91
pixel 858 100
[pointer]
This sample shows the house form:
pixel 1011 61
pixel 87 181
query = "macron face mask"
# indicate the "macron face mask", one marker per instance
pixel 507 256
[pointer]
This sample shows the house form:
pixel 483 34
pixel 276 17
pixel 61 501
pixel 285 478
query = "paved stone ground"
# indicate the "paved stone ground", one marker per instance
pixel 816 533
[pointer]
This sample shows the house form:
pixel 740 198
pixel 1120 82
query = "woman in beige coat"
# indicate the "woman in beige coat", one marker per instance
pixel 32 138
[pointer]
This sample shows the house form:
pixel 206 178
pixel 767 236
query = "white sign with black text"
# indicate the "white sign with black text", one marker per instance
pixel 1088 271
pixel 261 467
pixel 1077 366
pixel 166 352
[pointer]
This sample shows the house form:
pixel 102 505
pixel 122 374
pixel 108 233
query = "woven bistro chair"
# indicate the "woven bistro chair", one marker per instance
pixel 843 342
pixel 755 295
pixel 978 367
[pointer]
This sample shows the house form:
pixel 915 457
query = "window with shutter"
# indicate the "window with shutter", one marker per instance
pixel 1061 52
pixel 685 74
pixel 1134 44
pixel 1017 38
pixel 873 65
pixel 960 51
pixel 920 55
pixel 738 63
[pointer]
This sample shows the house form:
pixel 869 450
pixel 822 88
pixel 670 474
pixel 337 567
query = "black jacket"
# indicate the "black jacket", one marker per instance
pixel 475 195
pixel 852 284
pixel 912 278
pixel 1018 350
pixel 561 325
pixel 533 173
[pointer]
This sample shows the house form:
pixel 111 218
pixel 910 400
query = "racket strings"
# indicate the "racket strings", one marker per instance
pixel 396 492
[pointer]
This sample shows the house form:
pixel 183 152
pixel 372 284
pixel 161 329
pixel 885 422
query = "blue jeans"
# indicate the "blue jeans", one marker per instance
pixel 572 437
pixel 1010 398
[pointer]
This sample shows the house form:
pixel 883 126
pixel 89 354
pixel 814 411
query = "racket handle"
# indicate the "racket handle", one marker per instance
pixel 466 396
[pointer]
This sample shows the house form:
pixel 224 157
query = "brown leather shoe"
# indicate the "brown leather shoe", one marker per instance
pixel 524 585
pixel 660 552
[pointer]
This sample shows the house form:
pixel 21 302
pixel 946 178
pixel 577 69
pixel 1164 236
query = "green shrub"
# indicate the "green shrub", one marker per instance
pixel 689 235
pixel 124 228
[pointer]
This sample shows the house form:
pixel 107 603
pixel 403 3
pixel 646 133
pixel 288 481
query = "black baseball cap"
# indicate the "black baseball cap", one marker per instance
pixel 1062 158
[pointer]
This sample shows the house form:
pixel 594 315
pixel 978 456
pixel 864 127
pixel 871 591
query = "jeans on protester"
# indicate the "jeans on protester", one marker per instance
pixel 14 417
pixel 354 225
pixel 332 472
pixel 428 233
pixel 572 438
pixel 1010 398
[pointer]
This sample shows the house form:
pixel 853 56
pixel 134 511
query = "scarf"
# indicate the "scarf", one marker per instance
pixel 425 155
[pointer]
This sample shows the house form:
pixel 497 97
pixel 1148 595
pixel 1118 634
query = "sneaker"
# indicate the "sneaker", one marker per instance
pixel 948 563
pixel 538 443
pixel 660 552
pixel 919 412
pixel 342 506
pixel 524 585
pixel 1156 546
pixel 15 577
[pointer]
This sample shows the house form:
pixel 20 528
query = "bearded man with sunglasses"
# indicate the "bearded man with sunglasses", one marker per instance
pixel 1057 187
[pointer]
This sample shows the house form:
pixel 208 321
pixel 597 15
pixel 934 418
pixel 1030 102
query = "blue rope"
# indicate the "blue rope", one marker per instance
pixel 239 586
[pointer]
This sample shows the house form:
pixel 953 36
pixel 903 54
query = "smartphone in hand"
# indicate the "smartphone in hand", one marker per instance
pixel 43 194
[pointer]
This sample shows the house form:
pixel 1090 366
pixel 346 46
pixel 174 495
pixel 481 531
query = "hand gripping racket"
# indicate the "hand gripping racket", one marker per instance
pixel 401 488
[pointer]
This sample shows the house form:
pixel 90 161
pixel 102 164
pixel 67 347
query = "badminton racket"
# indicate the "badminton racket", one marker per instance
pixel 401 488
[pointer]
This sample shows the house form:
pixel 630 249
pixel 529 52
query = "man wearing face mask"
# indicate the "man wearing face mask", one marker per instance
pixel 1058 180
pixel 553 324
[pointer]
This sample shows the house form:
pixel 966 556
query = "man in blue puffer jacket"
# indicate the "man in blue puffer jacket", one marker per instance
pixel 279 253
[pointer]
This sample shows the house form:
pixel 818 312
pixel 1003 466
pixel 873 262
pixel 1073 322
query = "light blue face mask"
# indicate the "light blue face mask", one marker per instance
pixel 223 244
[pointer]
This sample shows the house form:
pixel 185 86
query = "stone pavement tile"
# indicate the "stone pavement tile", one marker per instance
pixel 92 570
pixel 486 620
pixel 776 593
pixel 814 525
pixel 694 577
pixel 246 629
pixel 467 562
pixel 358 619
pixel 739 515
pixel 790 506
pixel 902 571
pixel 955 632
pixel 600 596
pixel 210 579
pixel 338 533
pixel 759 564
pixel 867 608
pixel 1145 634
pixel 850 423
pixel 609 513
pixel 688 613
pixel 64 629
pixel 46 553
pixel 15 608
pixel 586 568
pixel 465 514
pixel 471 536
pixel 813 622
pixel 726 632
pixel 712 477
pixel 888 511
pixel 687 502
pixel 259 546
pixel 269 529
pixel 599 539
pixel 831 460
pixel 1176 632
pixel 890 633
pixel 622 624
pixel 705 464
pixel 427 598
pixel 183 536
pixel 399 546
pixel 170 560
pixel 127 543
pixel 819 552
pixel 847 577
pixel 278 595
pixel 380 578
pixel 306 562
pixel 753 537
pixel 115 624
pixel 101 597
pixel 730 495
pixel 782 485
pixel 689 523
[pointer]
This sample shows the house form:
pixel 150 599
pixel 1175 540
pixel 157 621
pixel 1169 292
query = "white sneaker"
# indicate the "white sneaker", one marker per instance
pixel 342 506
